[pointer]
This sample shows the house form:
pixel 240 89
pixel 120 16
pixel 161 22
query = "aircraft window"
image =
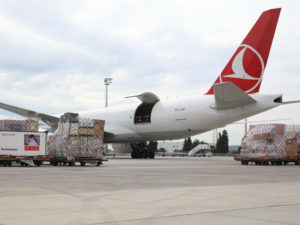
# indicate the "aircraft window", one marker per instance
pixel 143 113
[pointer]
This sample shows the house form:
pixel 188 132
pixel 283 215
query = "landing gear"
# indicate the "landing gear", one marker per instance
pixel 140 151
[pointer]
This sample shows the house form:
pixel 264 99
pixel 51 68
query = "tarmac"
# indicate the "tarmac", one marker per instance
pixel 215 190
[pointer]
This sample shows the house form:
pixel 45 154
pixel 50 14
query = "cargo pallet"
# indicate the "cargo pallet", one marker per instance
pixel 267 162
pixel 71 162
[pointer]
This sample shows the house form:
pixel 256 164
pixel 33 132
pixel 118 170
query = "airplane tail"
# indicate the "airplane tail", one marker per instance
pixel 246 67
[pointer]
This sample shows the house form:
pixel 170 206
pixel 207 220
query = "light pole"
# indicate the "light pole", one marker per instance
pixel 107 81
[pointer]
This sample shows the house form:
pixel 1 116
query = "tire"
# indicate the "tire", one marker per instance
pixel 133 154
pixel 37 163
pixel 82 163
pixel 144 154
pixel 138 154
pixel 151 155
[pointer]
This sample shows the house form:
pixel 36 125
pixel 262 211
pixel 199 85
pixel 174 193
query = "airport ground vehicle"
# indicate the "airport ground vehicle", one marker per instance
pixel 26 148
pixel 77 140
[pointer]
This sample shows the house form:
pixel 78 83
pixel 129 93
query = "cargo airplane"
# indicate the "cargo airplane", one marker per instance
pixel 233 96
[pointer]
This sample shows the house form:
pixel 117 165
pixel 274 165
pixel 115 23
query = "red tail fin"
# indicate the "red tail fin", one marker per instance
pixel 246 67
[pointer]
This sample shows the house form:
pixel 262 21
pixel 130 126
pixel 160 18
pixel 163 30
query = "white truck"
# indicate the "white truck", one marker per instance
pixel 26 148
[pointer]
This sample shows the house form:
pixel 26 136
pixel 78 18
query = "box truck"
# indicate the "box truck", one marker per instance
pixel 22 147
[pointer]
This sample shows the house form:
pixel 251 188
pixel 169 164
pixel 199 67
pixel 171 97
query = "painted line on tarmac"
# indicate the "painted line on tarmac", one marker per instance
pixel 200 213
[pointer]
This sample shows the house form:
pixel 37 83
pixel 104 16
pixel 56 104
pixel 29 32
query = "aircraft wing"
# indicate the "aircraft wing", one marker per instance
pixel 228 96
pixel 52 121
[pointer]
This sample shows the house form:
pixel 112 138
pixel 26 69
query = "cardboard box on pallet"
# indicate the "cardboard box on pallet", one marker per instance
pixel 76 146
pixel 283 144
pixel 264 141
pixel 31 125
pixel 14 125
pixel 1 124
pixel 19 125
pixel 81 139
pixel 69 118
pixel 51 145
pixel 99 127
pixel 292 151
pixel 74 128
pixel 86 131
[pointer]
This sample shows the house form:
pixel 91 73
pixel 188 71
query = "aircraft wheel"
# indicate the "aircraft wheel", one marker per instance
pixel 151 155
pixel 144 154
pixel 133 155
pixel 138 154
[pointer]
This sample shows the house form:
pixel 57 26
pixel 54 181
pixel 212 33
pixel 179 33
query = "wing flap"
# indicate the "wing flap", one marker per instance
pixel 228 96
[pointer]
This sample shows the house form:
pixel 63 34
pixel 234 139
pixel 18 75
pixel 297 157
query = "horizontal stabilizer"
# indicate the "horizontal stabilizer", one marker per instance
pixel 290 102
pixel 228 96
pixel 146 97
pixel 52 121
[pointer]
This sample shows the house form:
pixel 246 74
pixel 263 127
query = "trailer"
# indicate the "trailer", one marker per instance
pixel 267 161
pixel 25 148
pixel 71 162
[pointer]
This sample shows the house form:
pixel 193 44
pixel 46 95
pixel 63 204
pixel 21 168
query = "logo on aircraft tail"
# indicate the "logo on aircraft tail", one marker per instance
pixel 245 69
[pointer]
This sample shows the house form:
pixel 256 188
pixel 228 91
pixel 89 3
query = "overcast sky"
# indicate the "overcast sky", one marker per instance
pixel 54 55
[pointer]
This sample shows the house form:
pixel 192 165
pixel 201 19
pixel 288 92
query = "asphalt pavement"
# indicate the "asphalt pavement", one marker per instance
pixel 214 190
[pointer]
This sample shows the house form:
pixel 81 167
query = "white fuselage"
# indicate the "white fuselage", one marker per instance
pixel 174 118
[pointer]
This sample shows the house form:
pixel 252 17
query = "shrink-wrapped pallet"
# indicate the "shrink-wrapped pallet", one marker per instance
pixel 271 141
pixel 19 125
pixel 77 138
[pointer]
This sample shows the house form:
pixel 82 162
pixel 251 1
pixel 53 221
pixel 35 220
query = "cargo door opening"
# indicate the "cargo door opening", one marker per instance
pixel 143 113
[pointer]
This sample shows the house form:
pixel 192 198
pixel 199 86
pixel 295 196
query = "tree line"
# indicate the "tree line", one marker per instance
pixel 221 146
